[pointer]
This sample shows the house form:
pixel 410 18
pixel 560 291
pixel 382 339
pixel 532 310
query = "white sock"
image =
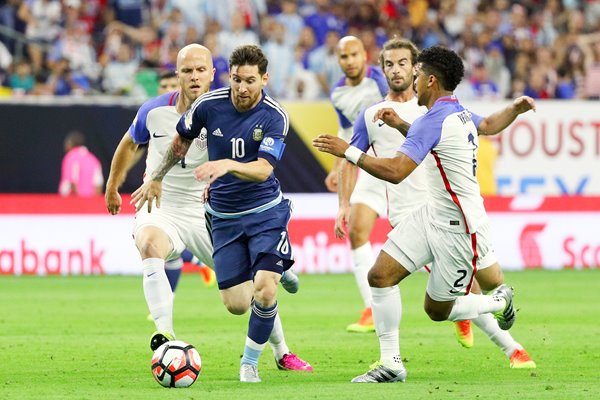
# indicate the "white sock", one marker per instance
pixel 363 260
pixel 473 305
pixel 158 293
pixel 387 311
pixel 503 339
pixel 277 339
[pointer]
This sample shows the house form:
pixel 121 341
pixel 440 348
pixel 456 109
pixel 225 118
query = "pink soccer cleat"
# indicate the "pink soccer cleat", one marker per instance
pixel 292 362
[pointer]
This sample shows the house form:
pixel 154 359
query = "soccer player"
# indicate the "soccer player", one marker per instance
pixel 397 60
pixel 244 130
pixel 179 222
pixel 361 86
pixel 451 231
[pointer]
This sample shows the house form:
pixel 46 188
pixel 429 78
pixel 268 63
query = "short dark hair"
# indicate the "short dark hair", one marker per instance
pixel 444 64
pixel 167 75
pixel 397 43
pixel 249 55
pixel 75 138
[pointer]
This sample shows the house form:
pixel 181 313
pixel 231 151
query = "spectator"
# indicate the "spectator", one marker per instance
pixel 119 75
pixel 21 80
pixel 324 21
pixel 323 61
pixel 292 21
pixel 43 26
pixel 62 81
pixel 81 173
pixel 282 66
pixel 237 36
pixel 220 63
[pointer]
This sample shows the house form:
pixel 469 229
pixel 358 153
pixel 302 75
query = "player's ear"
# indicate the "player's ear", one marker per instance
pixel 212 76
pixel 265 78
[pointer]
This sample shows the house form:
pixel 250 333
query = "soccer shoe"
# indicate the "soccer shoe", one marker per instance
pixel 159 338
pixel 290 281
pixel 464 333
pixel 292 362
pixel 521 360
pixel 506 318
pixel 249 373
pixel 365 323
pixel 379 373
pixel 208 275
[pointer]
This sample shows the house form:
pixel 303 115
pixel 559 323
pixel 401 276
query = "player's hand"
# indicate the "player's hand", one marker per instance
pixel 113 201
pixel 331 181
pixel 523 104
pixel 341 222
pixel 390 118
pixel 150 191
pixel 211 170
pixel 330 144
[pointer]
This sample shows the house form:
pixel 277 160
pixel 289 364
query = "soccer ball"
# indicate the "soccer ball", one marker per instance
pixel 176 364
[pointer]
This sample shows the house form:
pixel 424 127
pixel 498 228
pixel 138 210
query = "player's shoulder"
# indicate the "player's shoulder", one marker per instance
pixel 377 75
pixel 211 98
pixel 163 100
pixel 272 106
pixel 340 84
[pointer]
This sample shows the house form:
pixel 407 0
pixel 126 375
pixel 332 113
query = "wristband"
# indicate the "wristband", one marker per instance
pixel 352 154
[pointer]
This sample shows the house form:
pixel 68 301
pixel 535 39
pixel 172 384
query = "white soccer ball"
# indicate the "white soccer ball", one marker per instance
pixel 176 364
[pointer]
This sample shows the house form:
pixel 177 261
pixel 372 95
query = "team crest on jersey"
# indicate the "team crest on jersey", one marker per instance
pixel 257 133
pixel 201 140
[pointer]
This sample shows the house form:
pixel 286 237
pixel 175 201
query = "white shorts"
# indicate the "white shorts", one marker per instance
pixel 185 227
pixel 415 242
pixel 371 192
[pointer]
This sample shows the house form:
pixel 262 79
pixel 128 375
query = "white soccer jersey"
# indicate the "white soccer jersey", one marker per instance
pixel 155 124
pixel 449 132
pixel 349 100
pixel 385 142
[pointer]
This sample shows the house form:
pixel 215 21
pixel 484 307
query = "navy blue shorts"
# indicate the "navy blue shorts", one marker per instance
pixel 242 246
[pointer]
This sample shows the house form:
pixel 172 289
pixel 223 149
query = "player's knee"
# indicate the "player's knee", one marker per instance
pixel 265 294
pixel 378 278
pixel 150 249
pixel 358 236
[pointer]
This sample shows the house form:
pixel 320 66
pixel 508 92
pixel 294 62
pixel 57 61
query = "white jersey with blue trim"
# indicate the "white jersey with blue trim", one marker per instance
pixel 385 141
pixel 349 100
pixel 449 132
pixel 155 124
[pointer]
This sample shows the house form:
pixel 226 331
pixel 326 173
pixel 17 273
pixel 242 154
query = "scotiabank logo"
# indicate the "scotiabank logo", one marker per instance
pixel 529 246
pixel 29 260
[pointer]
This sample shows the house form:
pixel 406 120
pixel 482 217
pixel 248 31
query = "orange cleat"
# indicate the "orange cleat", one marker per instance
pixel 464 333
pixel 365 323
pixel 521 360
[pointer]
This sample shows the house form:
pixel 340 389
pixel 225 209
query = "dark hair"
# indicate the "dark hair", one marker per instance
pixel 444 64
pixel 167 75
pixel 397 43
pixel 75 138
pixel 249 55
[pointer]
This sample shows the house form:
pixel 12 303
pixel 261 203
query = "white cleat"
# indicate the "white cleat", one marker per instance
pixel 249 373
pixel 379 373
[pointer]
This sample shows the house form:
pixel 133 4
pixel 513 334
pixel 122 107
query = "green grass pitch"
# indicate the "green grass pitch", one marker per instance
pixel 87 338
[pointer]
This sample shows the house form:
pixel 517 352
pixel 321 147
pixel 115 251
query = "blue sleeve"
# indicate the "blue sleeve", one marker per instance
pixel 343 121
pixel 271 147
pixel 360 135
pixel 138 130
pixel 477 119
pixel 192 121
pixel 422 137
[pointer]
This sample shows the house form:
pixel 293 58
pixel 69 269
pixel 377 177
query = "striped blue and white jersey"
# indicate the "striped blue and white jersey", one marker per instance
pixel 155 124
pixel 240 136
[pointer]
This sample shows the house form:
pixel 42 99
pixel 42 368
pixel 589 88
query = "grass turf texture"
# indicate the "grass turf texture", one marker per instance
pixel 87 338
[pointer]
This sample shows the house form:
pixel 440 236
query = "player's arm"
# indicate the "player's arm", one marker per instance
pixel 496 122
pixel 254 171
pixel 346 182
pixel 393 170
pixel 120 165
pixel 152 188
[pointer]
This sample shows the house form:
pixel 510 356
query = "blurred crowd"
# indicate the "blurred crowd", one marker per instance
pixel 545 49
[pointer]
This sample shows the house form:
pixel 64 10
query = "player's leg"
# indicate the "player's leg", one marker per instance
pixel 368 201
pixel 154 246
pixel 173 271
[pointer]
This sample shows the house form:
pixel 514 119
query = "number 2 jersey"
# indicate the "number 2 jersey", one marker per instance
pixel 155 124
pixel 449 132
pixel 243 137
